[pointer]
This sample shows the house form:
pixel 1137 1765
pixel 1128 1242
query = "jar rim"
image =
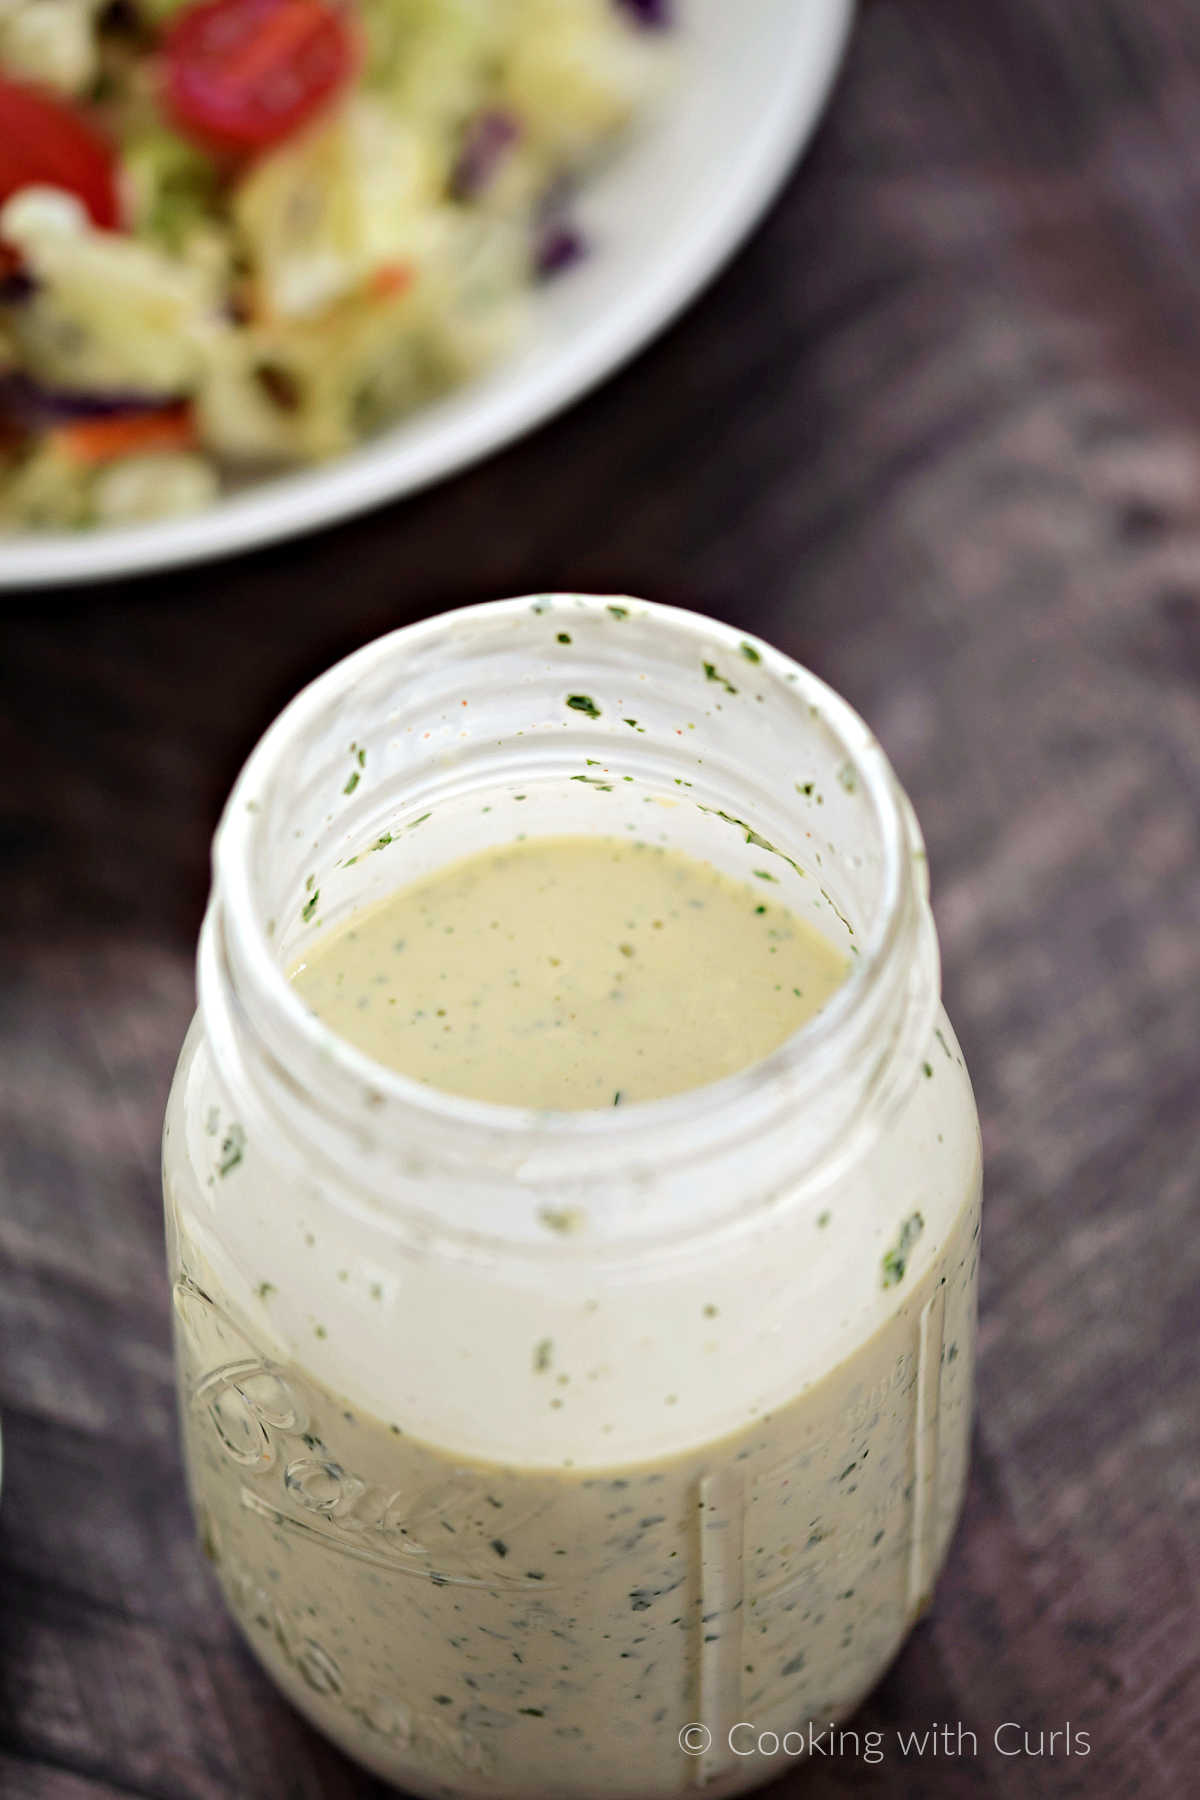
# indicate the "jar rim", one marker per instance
pixel 640 1130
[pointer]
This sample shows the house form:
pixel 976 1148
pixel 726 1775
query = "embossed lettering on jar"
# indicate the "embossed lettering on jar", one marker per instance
pixel 522 1442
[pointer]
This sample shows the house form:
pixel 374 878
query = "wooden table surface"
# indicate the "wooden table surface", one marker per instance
pixel 937 433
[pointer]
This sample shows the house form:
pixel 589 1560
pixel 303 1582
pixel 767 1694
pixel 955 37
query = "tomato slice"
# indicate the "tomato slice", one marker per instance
pixel 241 74
pixel 45 142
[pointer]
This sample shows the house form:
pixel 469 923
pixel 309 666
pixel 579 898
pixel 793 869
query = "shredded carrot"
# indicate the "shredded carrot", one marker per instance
pixel 126 434
pixel 391 278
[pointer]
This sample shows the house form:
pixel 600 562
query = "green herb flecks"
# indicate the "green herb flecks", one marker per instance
pixel 895 1260
pixel 563 1219
pixel 618 612
pixel 750 653
pixel 543 1355
pixel 310 905
pixel 838 913
pixel 564 637
pixel 352 781
pixel 583 703
pixel 712 673
pixel 754 837
pixel 594 781
pixel 233 1145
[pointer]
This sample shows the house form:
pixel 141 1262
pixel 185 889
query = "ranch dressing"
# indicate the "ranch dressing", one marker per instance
pixel 485 1604
pixel 490 1619
pixel 571 972
pixel 522 1440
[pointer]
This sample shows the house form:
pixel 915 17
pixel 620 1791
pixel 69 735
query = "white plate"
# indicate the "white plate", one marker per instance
pixel 660 221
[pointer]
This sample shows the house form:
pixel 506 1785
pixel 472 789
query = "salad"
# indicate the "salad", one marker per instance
pixel 241 234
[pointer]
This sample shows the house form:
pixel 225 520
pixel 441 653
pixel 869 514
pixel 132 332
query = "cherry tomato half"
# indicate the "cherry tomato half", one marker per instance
pixel 45 142
pixel 241 74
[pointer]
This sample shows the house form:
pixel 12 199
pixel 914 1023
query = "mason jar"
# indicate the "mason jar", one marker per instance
pixel 557 1455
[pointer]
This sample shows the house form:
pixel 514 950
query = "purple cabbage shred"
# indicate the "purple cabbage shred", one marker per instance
pixel 653 15
pixel 16 287
pixel 488 138
pixel 28 403
pixel 558 246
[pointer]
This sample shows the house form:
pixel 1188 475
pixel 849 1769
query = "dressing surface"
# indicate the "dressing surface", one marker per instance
pixel 571 972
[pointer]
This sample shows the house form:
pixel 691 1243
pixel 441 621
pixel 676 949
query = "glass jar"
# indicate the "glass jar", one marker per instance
pixel 572 1454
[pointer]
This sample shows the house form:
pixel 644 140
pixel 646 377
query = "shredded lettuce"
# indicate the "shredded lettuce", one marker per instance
pixel 172 188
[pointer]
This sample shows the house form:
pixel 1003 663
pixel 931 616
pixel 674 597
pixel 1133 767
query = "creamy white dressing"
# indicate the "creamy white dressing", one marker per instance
pixel 487 1629
pixel 572 972
pixel 501 1621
